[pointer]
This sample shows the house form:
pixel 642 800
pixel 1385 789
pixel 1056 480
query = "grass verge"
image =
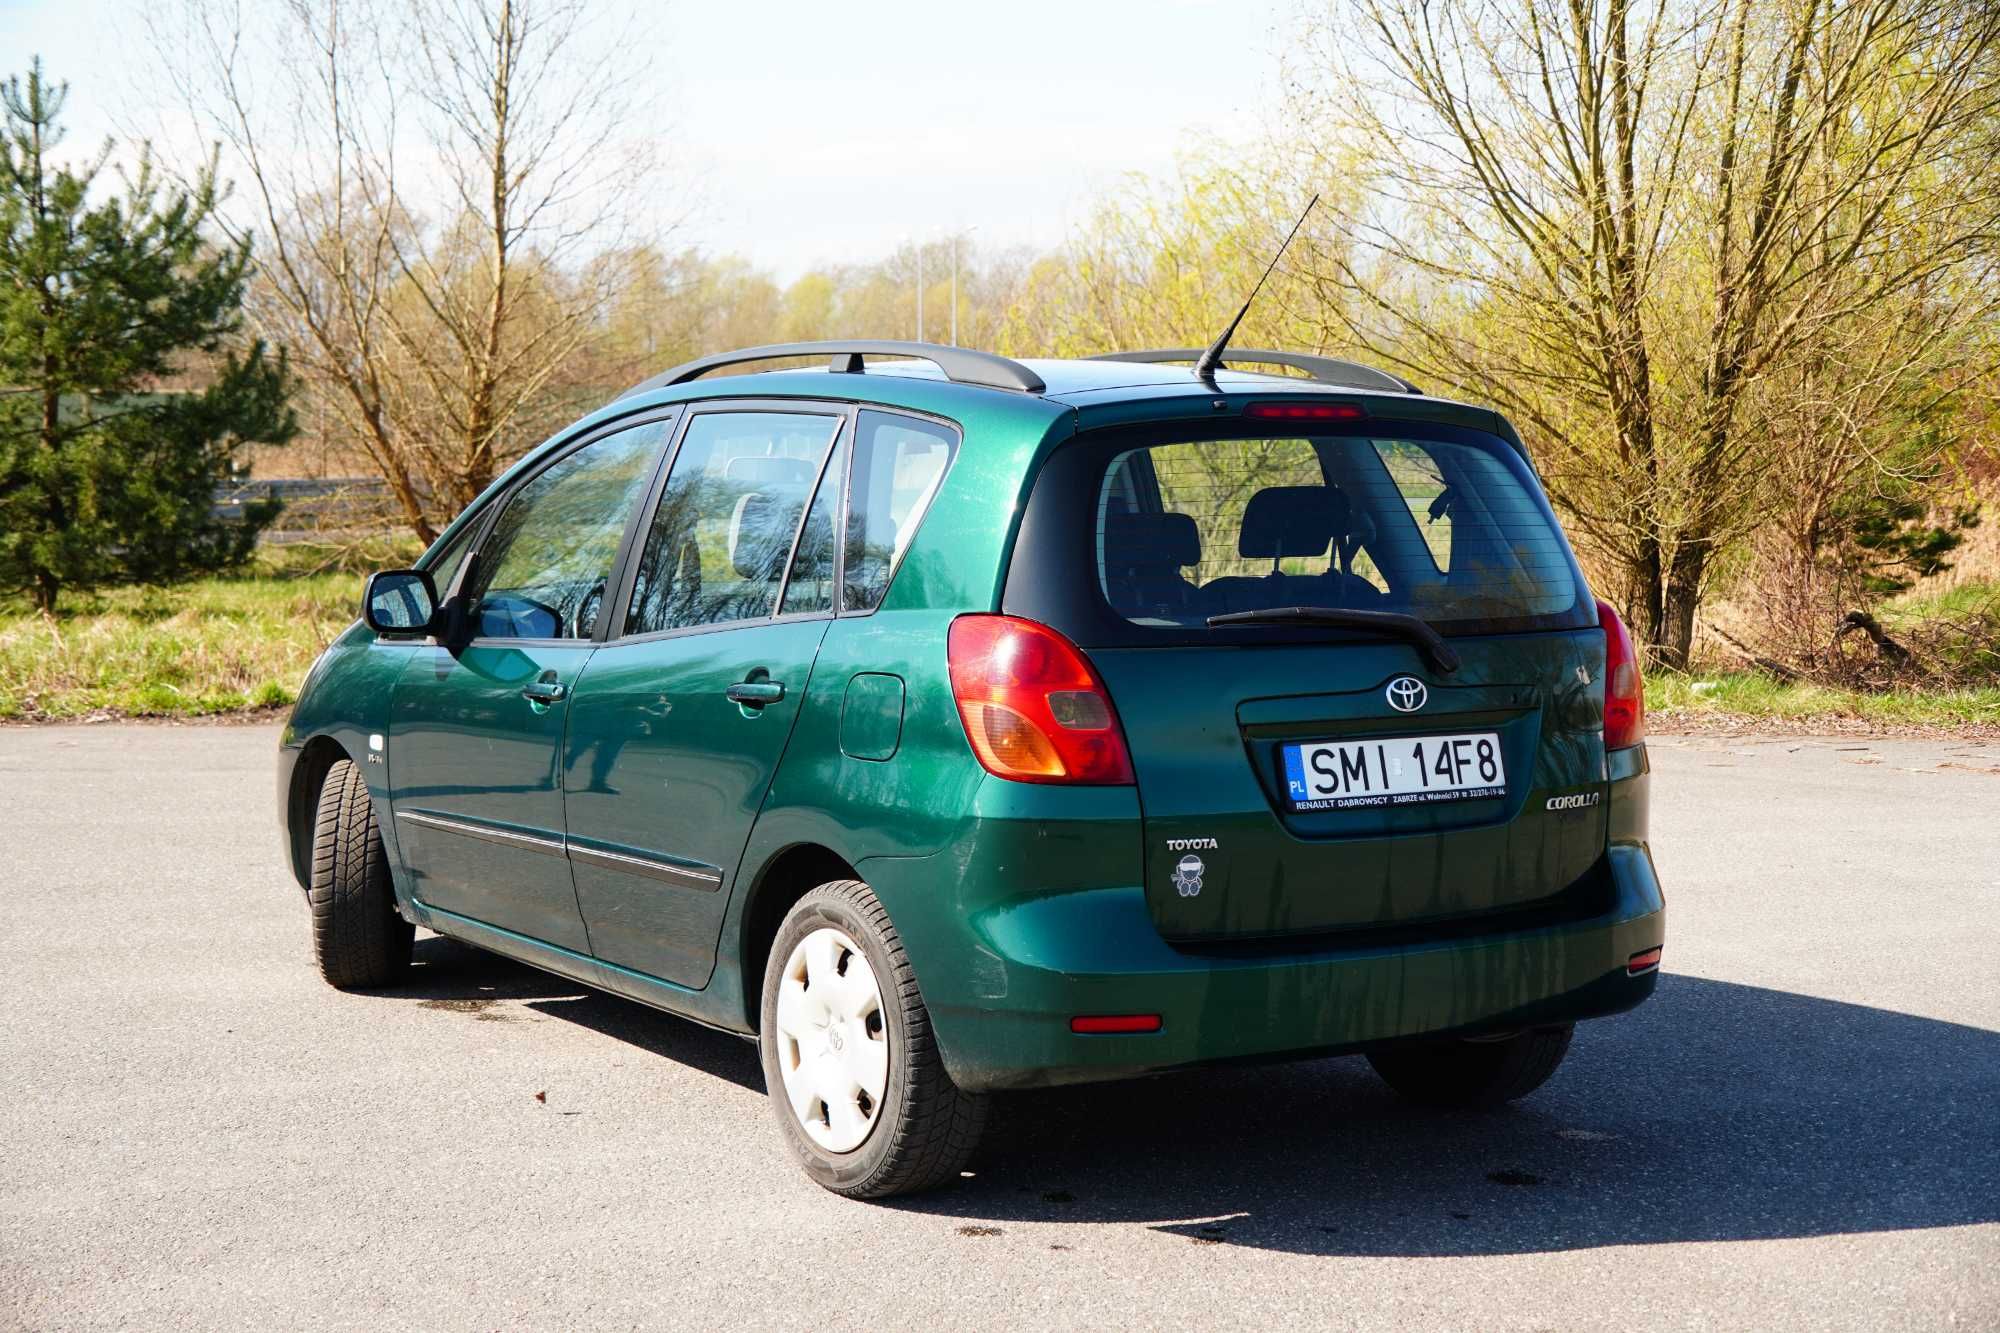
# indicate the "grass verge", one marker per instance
pixel 1752 697
pixel 219 645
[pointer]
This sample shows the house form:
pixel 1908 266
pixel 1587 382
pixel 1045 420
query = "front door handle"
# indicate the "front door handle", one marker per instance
pixel 756 693
pixel 544 692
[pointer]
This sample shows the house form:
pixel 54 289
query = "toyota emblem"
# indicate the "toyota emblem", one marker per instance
pixel 1407 694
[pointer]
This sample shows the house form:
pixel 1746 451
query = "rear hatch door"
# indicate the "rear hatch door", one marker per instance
pixel 1289 794
pixel 1307 773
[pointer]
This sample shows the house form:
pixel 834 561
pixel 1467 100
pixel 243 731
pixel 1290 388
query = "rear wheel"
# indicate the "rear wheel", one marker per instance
pixel 861 1095
pixel 1476 1074
pixel 359 941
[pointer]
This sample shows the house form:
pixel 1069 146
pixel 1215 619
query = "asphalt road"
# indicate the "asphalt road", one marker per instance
pixel 1801 1130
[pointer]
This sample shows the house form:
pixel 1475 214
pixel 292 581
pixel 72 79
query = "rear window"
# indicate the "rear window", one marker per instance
pixel 1442 523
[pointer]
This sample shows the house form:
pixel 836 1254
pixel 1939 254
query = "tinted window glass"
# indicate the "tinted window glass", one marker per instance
pixel 718 543
pixel 542 569
pixel 1453 533
pixel 898 462
pixel 809 586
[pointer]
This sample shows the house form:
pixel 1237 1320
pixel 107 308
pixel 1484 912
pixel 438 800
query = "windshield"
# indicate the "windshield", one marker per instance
pixel 1443 524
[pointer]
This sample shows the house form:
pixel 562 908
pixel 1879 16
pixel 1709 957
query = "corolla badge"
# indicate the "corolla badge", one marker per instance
pixel 1407 694
pixel 1187 876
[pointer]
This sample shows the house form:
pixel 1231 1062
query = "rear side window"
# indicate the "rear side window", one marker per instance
pixel 1452 530
pixel 898 463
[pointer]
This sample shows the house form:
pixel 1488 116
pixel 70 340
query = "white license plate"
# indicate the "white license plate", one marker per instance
pixel 1409 770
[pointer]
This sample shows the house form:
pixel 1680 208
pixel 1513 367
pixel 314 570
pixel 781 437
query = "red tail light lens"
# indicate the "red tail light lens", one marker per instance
pixel 1305 411
pixel 1033 708
pixel 1624 691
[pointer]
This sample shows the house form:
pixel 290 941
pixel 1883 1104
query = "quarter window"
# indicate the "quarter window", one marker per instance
pixel 718 545
pixel 541 571
pixel 444 567
pixel 898 462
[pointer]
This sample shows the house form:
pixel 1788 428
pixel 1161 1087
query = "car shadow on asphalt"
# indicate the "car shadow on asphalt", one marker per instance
pixel 1714 1112
pixel 446 974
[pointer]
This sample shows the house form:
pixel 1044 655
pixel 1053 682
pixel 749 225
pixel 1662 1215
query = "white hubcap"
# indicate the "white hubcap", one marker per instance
pixel 833 1040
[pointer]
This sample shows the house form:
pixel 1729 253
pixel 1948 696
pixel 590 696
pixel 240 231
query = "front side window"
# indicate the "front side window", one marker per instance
pixel 542 569
pixel 1451 532
pixel 898 463
pixel 719 542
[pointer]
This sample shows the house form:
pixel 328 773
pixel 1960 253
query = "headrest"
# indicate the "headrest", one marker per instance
pixel 769 471
pixel 1137 541
pixel 1291 520
pixel 760 535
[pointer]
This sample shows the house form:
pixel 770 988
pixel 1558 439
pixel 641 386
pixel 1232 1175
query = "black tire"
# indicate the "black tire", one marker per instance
pixel 359 941
pixel 1474 1075
pixel 926 1129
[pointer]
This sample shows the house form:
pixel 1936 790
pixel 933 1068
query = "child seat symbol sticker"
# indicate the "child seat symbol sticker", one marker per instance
pixel 1187 876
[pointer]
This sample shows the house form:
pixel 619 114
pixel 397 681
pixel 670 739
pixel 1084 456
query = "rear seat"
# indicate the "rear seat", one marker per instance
pixel 1297 522
pixel 1144 555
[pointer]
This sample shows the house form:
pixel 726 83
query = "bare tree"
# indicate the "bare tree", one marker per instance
pixel 1615 219
pixel 441 194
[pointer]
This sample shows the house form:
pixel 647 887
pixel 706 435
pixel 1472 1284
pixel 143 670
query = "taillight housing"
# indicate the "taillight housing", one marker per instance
pixel 1624 691
pixel 1033 707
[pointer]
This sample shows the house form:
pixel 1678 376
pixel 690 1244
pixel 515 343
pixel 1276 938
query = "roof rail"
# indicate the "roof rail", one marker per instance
pixel 961 365
pixel 1323 369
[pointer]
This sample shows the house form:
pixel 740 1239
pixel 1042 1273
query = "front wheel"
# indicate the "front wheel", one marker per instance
pixel 359 941
pixel 1476 1074
pixel 861 1095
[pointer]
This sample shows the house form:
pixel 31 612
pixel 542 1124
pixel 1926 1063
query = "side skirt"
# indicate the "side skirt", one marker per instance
pixel 650 991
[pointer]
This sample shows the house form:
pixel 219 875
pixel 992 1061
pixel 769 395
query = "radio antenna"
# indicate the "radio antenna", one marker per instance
pixel 1212 358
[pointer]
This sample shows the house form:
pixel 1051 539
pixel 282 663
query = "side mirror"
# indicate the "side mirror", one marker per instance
pixel 400 601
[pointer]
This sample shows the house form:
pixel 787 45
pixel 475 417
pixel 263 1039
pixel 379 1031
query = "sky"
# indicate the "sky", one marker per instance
pixel 804 133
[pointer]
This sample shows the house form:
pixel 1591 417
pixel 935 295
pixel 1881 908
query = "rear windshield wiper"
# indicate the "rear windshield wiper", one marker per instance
pixel 1419 632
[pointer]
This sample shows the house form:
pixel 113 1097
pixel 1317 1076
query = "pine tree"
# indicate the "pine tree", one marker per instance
pixel 106 474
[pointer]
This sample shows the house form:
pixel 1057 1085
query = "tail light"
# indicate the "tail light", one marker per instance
pixel 1624 691
pixel 1033 708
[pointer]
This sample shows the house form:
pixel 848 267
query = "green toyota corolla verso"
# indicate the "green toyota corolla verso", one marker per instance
pixel 951 724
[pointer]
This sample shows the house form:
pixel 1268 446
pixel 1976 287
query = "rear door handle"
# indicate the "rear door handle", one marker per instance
pixel 545 692
pixel 756 693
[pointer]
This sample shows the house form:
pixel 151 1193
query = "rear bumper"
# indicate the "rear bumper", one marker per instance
pixel 1003 980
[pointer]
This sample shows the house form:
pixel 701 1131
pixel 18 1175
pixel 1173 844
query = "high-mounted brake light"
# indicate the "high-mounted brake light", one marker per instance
pixel 1305 411
pixel 1624 691
pixel 1033 707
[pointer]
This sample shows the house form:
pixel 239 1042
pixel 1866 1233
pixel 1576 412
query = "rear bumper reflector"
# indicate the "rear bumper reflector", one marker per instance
pixel 1099 1023
pixel 1643 961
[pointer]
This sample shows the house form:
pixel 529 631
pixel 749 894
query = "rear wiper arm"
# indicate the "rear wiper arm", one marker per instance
pixel 1419 632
